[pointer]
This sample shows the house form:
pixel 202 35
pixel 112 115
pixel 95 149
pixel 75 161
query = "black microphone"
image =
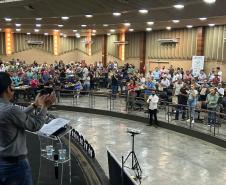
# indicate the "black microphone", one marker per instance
pixel 56 158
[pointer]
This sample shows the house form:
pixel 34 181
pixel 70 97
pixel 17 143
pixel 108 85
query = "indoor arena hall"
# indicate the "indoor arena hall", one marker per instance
pixel 112 92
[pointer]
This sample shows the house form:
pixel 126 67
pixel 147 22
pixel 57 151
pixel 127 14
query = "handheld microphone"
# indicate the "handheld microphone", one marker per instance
pixel 56 158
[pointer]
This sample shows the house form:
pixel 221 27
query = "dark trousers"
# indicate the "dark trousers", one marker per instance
pixel 153 113
pixel 15 173
pixel 180 108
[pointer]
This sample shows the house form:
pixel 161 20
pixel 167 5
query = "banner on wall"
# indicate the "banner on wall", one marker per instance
pixel 197 64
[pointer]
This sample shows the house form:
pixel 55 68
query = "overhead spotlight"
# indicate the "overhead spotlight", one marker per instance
pixel 64 35
pixel 84 25
pixel 38 25
pixel 178 6
pixel 60 25
pixel 0 29
pixel 209 1
pixel 88 16
pixel 148 29
pixel 189 26
pixel 202 18
pixel 46 34
pixel 211 25
pixel 93 34
pixel 61 34
pixel 18 25
pixel 112 30
pixel 55 30
pixel 117 14
pixel 131 30
pixel 28 33
pixel 38 19
pixel 94 31
pixel 108 34
pixel 8 19
pixel 143 11
pixel 78 35
pixel 64 18
pixel 18 30
pixel 36 30
pixel 168 28
pixel 150 23
pixel 127 24
pixel 75 31
pixel 105 25
pixel 175 21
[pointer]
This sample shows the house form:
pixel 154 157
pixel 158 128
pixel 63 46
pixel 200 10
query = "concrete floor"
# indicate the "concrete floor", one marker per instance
pixel 119 105
pixel 166 157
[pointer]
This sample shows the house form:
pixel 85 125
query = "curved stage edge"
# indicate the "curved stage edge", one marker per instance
pixel 190 132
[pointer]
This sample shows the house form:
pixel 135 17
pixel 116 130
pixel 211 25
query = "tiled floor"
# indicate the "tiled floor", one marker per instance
pixel 166 157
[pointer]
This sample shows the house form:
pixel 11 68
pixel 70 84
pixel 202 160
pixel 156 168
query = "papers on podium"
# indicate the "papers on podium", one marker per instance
pixel 53 126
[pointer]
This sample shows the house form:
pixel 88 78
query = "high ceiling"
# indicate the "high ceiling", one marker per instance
pixel 161 12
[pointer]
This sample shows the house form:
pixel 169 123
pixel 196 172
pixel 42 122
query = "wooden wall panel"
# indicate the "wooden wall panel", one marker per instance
pixel 185 49
pixel 97 44
pixel 214 43
pixel 112 49
pixel 2 43
pixel 133 47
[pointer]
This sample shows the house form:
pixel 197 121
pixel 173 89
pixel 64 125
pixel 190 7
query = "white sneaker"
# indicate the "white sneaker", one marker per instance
pixel 188 120
pixel 193 121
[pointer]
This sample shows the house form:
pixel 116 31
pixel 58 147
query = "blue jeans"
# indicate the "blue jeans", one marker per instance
pixel 114 90
pixel 18 173
pixel 192 105
pixel 212 116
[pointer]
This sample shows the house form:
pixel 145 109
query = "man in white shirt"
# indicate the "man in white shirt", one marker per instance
pixel 220 89
pixel 219 73
pixel 153 100
pixel 165 83
pixel 202 76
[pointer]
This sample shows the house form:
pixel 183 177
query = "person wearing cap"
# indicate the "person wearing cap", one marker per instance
pixel 14 165
pixel 153 100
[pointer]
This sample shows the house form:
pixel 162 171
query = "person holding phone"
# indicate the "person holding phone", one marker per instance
pixel 14 165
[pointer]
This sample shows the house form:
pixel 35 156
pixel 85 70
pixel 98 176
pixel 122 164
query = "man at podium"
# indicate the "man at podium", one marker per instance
pixel 14 166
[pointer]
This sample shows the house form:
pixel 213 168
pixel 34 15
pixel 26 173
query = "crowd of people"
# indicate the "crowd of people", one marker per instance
pixel 206 90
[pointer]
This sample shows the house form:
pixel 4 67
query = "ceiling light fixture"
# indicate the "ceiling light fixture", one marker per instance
pixel 112 30
pixel 127 24
pixel 94 31
pixel 38 19
pixel 55 30
pixel 60 25
pixel 18 30
pixel 131 30
pixel 211 25
pixel 143 11
pixel 64 35
pixel 168 28
pixel 8 19
pixel 105 25
pixel 189 26
pixel 75 31
pixel 83 25
pixel 36 30
pixel 88 16
pixel 209 1
pixel 64 18
pixel 117 14
pixel 38 25
pixel 202 18
pixel 0 29
pixel 18 25
pixel 178 6
pixel 108 34
pixel 150 23
pixel 148 29
pixel 46 34
pixel 28 33
pixel 175 21
pixel 93 34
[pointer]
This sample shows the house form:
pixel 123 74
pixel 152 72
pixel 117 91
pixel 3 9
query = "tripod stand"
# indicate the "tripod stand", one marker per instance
pixel 135 166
